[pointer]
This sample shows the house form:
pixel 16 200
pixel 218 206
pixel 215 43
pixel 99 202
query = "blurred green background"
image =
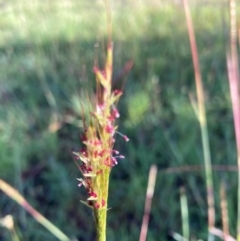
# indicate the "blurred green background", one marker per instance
pixel 47 51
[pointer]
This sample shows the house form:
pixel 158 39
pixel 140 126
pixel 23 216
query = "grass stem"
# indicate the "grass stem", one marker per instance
pixel 202 120
pixel 148 202
pixel 233 75
pixel 184 212
pixel 15 195
pixel 224 209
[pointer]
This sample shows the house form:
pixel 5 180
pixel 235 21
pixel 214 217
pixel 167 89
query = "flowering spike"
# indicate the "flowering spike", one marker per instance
pixel 97 157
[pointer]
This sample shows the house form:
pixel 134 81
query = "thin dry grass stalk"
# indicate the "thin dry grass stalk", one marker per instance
pixel 184 212
pixel 219 233
pixel 177 236
pixel 148 202
pixel 201 114
pixel 224 210
pixel 15 195
pixel 8 223
pixel 233 76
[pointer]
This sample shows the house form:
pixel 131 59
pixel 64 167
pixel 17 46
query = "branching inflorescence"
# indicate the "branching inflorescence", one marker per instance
pixel 98 156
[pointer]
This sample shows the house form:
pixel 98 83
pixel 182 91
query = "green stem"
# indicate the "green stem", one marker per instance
pixel 100 214
pixel 101 227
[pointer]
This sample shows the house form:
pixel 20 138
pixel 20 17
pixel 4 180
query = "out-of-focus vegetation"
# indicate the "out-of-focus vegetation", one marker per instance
pixel 47 51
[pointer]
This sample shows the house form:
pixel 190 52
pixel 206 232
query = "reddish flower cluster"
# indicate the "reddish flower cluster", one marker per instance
pixel 98 156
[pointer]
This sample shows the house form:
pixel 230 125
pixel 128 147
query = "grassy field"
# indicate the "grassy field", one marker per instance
pixel 47 51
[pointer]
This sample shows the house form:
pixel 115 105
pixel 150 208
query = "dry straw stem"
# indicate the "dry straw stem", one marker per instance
pixel 148 202
pixel 224 210
pixel 233 76
pixel 177 236
pixel 219 233
pixel 15 195
pixel 184 212
pixel 8 223
pixel 201 114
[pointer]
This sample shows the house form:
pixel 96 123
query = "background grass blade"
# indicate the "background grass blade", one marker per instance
pixel 202 119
